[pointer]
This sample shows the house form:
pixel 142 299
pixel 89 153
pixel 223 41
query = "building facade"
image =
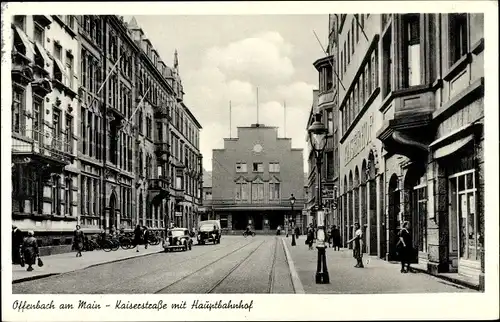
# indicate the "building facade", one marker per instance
pixel 433 114
pixel 411 142
pixel 253 178
pixel 94 113
pixel 326 103
pixel 44 128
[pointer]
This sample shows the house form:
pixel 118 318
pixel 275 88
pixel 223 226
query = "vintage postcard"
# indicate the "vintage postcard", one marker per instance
pixel 249 161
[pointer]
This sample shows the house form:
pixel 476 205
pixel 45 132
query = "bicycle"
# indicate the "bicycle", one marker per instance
pixel 153 240
pixel 126 242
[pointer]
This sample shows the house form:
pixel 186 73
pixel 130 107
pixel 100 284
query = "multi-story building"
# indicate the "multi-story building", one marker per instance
pixel 206 212
pixel 361 166
pixel 326 104
pixel 105 159
pixel 432 86
pixel 92 105
pixel 168 172
pixel 253 179
pixel 411 138
pixel 44 114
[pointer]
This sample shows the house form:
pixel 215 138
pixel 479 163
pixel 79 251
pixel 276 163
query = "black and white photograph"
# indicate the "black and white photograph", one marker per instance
pixel 333 153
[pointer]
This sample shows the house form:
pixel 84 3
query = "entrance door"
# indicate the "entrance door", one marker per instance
pixel 112 212
pixel 465 240
pixel 393 194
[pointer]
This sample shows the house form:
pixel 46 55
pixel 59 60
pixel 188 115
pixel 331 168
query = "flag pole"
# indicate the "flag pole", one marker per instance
pixel 230 116
pixel 106 79
pixel 257 106
pixel 138 105
pixel 333 68
pixel 284 116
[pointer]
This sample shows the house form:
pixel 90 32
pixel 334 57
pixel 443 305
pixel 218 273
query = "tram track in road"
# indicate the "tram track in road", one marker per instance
pixel 245 259
pixel 206 266
pixel 163 269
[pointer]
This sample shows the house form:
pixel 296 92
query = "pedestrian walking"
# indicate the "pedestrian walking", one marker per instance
pixel 137 236
pixel 310 236
pixel 17 242
pixel 78 239
pixel 358 244
pixel 30 250
pixel 335 237
pixel 404 247
pixel 145 236
pixel 278 230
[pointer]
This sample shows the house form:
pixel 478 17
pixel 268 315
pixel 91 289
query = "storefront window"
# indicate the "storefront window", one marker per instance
pixel 464 197
pixel 420 208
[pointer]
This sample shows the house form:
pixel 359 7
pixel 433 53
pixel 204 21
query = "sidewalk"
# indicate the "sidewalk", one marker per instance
pixel 378 276
pixel 68 262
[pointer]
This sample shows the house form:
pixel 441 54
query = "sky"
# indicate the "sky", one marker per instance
pixel 226 58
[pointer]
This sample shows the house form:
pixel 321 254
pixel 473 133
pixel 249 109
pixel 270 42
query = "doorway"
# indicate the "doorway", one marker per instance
pixel 392 221
pixel 112 212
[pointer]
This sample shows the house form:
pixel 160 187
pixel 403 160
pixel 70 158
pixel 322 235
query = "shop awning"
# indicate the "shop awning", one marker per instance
pixel 30 51
pixel 41 51
pixel 452 147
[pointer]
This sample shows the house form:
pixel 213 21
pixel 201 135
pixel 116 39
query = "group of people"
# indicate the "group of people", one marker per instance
pixel 294 230
pixel 332 237
pixel 404 247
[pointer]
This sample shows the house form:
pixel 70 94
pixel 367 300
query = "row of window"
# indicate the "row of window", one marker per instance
pixel 181 122
pixel 243 189
pixel 352 39
pixel 241 167
pixel 364 86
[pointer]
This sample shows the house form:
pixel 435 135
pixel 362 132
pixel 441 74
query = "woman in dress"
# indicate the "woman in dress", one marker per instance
pixel 405 248
pixel 78 239
pixel 30 250
pixel 310 236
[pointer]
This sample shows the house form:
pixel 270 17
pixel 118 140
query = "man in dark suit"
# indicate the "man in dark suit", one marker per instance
pixel 17 241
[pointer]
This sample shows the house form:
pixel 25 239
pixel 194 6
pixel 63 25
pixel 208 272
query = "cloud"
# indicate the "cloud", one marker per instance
pixel 262 59
pixel 233 73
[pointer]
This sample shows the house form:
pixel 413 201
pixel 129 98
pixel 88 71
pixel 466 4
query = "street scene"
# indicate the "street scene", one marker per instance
pixel 237 265
pixel 282 154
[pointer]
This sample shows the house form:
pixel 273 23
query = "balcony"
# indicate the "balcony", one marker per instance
pixel 326 99
pixel 162 150
pixel 407 120
pixel 22 74
pixel 43 147
pixel 158 188
pixel 178 194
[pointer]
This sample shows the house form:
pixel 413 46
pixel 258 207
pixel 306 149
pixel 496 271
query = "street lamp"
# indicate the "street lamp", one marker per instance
pixel 292 202
pixel 317 136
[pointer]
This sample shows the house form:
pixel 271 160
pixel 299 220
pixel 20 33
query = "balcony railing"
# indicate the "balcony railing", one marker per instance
pixel 178 193
pixel 159 184
pixel 44 143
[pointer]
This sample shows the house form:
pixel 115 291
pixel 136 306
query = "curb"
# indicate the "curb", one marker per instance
pixel 36 277
pixel 450 279
pixel 297 284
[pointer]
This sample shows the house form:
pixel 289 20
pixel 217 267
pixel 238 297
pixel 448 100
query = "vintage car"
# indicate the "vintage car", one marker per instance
pixel 177 239
pixel 209 231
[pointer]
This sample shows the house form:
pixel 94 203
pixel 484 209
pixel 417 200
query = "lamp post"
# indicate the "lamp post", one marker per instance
pixel 317 136
pixel 292 202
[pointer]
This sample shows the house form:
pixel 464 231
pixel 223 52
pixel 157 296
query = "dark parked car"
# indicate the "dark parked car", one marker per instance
pixel 177 239
pixel 209 231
